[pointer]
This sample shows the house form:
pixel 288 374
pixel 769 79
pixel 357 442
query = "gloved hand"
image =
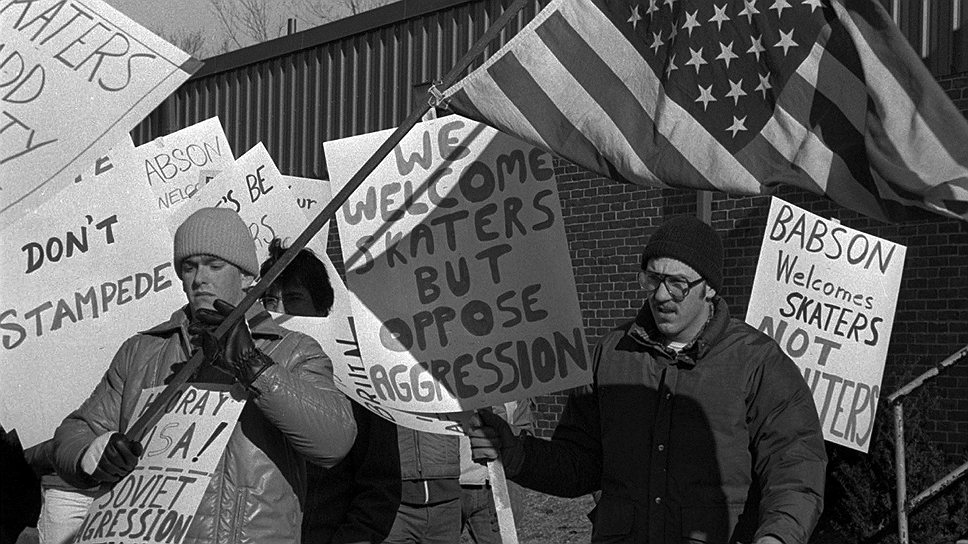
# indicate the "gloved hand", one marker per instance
pixel 118 459
pixel 236 353
pixel 491 437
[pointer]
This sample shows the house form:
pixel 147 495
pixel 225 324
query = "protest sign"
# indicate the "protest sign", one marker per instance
pixel 827 293
pixel 158 500
pixel 337 336
pixel 311 196
pixel 74 78
pixel 179 164
pixel 253 187
pixel 107 162
pixel 455 250
pixel 80 274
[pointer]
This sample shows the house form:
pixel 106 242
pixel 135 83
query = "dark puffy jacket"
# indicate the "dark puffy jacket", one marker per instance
pixel 426 456
pixel 259 486
pixel 718 443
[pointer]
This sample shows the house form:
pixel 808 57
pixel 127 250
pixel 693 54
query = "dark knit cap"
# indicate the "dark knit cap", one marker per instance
pixel 687 239
pixel 218 232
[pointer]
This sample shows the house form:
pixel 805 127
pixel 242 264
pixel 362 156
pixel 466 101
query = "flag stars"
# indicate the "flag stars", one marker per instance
pixel 656 42
pixel 726 53
pixel 652 7
pixel 635 18
pixel 764 84
pixel 673 33
pixel 670 3
pixel 814 4
pixel 671 67
pixel 691 22
pixel 736 91
pixel 749 10
pixel 779 6
pixel 696 59
pixel 739 125
pixel 705 96
pixel 786 41
pixel 720 16
pixel 757 47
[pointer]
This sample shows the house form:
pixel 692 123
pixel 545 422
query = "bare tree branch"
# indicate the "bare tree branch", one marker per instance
pixel 323 11
pixel 189 41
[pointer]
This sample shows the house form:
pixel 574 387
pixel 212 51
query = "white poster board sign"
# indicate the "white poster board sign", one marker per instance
pixel 74 78
pixel 827 293
pixel 253 187
pixel 80 274
pixel 456 252
pixel 311 196
pixel 177 165
pixel 158 500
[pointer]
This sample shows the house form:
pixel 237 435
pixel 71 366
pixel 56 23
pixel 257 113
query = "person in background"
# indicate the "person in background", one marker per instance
pixel 696 427
pixel 294 412
pixel 356 500
pixel 478 511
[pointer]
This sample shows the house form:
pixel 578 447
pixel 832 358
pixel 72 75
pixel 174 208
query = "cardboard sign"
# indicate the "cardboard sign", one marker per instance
pixel 80 274
pixel 176 166
pixel 455 249
pixel 827 293
pixel 158 500
pixel 311 196
pixel 74 78
pixel 109 161
pixel 337 336
pixel 253 187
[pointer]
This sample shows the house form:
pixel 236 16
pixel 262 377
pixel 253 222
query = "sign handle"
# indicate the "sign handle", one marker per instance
pixel 153 414
pixel 502 501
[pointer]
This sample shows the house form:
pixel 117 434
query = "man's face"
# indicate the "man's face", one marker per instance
pixel 678 321
pixel 292 299
pixel 205 278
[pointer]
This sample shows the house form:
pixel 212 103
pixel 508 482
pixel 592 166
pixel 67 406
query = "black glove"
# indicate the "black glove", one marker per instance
pixel 236 353
pixel 118 460
pixel 491 437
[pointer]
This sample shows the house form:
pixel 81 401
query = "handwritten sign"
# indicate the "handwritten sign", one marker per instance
pixel 254 188
pixel 176 166
pixel 74 78
pixel 311 196
pixel 827 293
pixel 455 249
pixel 158 500
pixel 107 162
pixel 80 274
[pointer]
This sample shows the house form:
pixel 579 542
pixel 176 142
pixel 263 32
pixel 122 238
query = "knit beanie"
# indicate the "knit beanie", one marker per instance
pixel 218 232
pixel 687 239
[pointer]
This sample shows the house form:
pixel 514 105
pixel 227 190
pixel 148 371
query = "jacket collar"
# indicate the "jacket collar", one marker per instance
pixel 644 331
pixel 260 323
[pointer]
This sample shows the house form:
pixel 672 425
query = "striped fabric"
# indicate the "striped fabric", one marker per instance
pixel 734 96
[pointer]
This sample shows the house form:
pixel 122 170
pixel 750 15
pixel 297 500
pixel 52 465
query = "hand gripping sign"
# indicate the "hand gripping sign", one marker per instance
pixel 827 293
pixel 455 250
pixel 74 78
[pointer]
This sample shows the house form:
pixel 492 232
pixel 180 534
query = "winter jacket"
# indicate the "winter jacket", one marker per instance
pixel 719 442
pixel 426 456
pixel 259 484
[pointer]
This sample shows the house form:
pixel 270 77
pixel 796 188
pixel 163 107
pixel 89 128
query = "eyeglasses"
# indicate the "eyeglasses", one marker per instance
pixel 677 286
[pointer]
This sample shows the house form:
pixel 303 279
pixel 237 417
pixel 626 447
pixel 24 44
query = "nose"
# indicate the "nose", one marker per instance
pixel 662 293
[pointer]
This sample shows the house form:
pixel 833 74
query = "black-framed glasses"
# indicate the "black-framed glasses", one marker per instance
pixel 677 286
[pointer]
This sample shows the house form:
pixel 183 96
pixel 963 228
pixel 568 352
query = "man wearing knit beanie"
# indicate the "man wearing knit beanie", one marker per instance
pixel 294 412
pixel 696 428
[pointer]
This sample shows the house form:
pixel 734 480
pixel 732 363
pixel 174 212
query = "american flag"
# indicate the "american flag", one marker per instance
pixel 734 96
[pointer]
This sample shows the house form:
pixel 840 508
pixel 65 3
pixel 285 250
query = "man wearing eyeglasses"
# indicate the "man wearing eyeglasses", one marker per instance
pixel 696 428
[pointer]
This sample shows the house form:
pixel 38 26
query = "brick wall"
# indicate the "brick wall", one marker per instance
pixel 608 223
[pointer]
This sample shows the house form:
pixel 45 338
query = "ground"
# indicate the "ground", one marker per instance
pixel 552 520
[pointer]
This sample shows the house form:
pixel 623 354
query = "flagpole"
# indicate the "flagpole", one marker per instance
pixel 155 410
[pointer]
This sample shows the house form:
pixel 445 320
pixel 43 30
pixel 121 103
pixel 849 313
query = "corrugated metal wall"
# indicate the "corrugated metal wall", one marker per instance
pixel 366 72
pixel 353 84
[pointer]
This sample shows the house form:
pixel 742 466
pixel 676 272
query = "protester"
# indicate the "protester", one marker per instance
pixel 19 489
pixel 294 412
pixel 64 506
pixel 478 512
pixel 696 427
pixel 356 500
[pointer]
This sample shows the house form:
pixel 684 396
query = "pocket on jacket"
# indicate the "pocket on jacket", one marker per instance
pixel 261 518
pixel 612 521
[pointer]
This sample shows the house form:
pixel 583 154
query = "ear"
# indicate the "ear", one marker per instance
pixel 710 292
pixel 641 277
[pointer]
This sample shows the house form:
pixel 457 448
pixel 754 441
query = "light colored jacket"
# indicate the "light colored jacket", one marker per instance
pixel 260 483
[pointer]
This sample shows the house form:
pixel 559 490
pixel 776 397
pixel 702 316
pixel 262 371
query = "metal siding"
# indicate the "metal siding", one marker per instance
pixel 365 81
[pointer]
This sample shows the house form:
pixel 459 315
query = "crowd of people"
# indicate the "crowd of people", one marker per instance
pixel 695 428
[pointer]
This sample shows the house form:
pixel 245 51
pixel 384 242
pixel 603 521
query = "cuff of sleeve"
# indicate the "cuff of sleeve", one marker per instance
pixel 92 456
